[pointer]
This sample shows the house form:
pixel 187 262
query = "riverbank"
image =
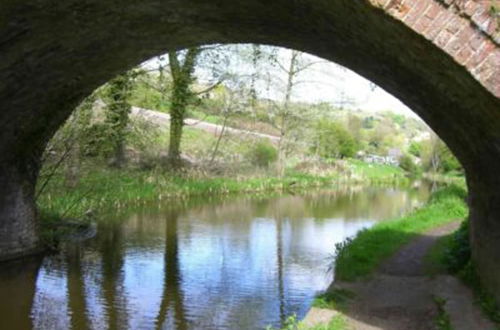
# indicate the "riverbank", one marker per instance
pixel 103 189
pixel 412 273
pixel 359 257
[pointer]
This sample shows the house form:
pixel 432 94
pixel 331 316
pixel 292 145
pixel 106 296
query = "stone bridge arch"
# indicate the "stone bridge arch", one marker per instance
pixel 440 57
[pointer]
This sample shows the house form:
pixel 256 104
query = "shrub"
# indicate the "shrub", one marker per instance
pixel 333 140
pixel 263 154
pixel 407 164
pixel 458 254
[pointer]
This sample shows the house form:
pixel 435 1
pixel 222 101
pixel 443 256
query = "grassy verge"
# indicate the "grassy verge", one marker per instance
pixel 433 262
pixel 336 323
pixel 114 189
pixel 376 172
pixel 337 299
pixel 359 257
pixel 442 320
pixel 101 190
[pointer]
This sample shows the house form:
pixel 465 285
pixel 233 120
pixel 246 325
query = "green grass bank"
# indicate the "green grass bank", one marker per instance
pixel 101 189
pixel 359 257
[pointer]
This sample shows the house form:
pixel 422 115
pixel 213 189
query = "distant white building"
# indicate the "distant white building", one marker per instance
pixel 392 158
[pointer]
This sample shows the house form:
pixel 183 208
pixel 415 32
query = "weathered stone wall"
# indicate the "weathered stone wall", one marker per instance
pixel 441 58
pixel 18 226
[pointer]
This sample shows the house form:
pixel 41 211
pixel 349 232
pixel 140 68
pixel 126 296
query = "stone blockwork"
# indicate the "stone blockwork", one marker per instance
pixel 439 57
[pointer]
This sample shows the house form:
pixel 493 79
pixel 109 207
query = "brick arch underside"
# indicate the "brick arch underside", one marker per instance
pixel 53 53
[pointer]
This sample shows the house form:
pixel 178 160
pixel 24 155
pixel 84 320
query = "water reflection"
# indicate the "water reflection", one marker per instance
pixel 17 289
pixel 172 297
pixel 76 288
pixel 233 263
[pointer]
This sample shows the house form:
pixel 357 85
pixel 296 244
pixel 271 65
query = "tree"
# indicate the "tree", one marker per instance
pixel 233 100
pixel 415 149
pixel 334 141
pixel 183 65
pixel 80 122
pixel 406 163
pixel 117 115
pixel 437 157
pixel 282 114
pixel 182 72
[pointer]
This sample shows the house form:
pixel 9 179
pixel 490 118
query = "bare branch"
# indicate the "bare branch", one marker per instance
pixel 307 66
pixel 209 89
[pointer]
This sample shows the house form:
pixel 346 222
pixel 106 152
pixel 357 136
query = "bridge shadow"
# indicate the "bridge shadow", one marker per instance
pixel 17 291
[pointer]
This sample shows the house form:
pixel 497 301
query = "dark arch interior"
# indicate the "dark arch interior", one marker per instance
pixel 56 53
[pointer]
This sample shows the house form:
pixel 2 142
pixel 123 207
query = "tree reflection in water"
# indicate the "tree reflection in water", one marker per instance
pixel 172 297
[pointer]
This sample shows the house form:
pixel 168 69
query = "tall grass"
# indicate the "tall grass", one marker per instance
pixel 121 189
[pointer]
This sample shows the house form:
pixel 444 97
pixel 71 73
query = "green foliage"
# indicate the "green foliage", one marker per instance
pixel 120 189
pixel 292 323
pixel 336 323
pixel 437 157
pixel 449 163
pixel 117 113
pixel 406 163
pixel 361 256
pixel 433 261
pixel 368 122
pixel 336 299
pixel 377 172
pixel 263 154
pixel 397 118
pixel 415 149
pixel 181 97
pixel 442 319
pixel 333 140
pixel 458 253
pixel 151 94
pixel 50 231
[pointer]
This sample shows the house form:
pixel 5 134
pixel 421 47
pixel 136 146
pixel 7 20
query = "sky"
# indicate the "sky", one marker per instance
pixel 332 83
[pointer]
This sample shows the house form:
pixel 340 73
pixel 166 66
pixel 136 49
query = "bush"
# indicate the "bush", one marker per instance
pixel 334 141
pixel 457 256
pixel 407 164
pixel 263 154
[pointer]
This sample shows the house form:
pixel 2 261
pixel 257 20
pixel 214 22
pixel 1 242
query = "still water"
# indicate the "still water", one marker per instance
pixel 233 263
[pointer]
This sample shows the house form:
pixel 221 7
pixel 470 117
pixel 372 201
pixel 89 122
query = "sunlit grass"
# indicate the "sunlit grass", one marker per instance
pixel 374 172
pixel 118 189
pixel 361 256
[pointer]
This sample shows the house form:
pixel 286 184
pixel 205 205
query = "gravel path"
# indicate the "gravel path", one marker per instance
pixel 409 261
pixel 400 297
pixel 160 118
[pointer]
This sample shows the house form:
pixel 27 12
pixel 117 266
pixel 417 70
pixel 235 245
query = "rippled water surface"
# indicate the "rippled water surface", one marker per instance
pixel 233 263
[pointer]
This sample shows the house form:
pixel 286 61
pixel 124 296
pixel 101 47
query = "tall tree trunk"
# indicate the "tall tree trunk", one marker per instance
pixel 182 77
pixel 172 297
pixel 177 111
pixel 119 158
pixel 291 73
pixel 117 116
